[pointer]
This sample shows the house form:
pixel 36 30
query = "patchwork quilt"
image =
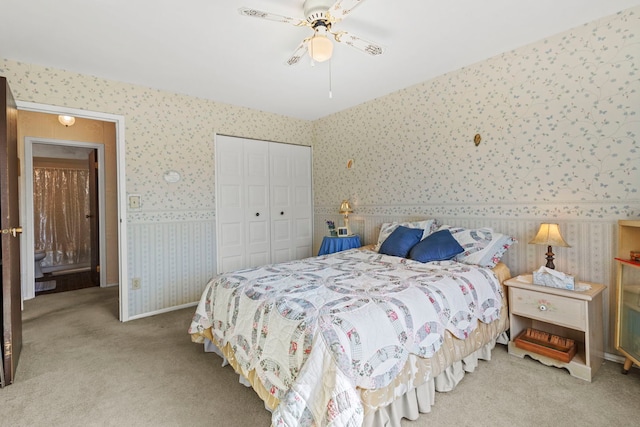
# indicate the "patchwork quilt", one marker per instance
pixel 317 330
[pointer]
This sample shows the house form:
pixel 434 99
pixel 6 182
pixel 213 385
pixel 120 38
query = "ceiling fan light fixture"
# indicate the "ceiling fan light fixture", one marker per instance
pixel 320 16
pixel 320 47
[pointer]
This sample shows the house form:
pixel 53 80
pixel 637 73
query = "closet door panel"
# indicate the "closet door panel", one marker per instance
pixel 303 204
pixel 280 176
pixel 305 236
pixel 232 163
pixel 230 203
pixel 257 215
pixel 282 255
pixel 302 209
pixel 257 240
pixel 281 237
pixel 280 198
pixel 231 239
pixel 280 162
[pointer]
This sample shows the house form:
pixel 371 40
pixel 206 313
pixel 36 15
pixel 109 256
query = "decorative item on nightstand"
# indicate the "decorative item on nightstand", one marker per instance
pixel 547 277
pixel 332 228
pixel 549 235
pixel 346 209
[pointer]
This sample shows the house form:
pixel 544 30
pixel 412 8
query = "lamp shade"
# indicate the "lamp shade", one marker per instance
pixel 345 207
pixel 320 47
pixel 549 235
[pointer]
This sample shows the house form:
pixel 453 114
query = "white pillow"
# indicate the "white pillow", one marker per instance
pixel 429 226
pixel 482 246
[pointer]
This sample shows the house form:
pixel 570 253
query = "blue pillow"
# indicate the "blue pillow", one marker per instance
pixel 438 246
pixel 400 242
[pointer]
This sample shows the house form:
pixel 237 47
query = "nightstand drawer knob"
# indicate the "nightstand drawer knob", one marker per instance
pixel 542 307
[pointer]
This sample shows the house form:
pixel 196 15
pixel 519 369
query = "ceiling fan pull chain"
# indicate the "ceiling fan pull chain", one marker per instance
pixel 330 88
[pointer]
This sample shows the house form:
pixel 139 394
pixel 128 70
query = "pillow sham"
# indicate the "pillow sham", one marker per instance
pixel 400 241
pixel 482 246
pixel 429 226
pixel 438 246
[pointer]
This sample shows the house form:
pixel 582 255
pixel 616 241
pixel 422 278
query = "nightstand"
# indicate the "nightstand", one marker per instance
pixel 331 245
pixel 570 314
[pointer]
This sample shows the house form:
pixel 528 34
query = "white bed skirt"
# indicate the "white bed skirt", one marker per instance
pixel 414 402
pixel 419 400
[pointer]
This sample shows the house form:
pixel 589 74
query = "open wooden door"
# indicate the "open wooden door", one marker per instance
pixel 93 218
pixel 11 301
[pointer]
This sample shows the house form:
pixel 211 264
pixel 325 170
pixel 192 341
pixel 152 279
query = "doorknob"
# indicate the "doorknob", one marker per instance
pixel 88 216
pixel 13 231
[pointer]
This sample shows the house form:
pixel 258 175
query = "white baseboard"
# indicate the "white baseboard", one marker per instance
pixel 618 359
pixel 613 358
pixel 164 310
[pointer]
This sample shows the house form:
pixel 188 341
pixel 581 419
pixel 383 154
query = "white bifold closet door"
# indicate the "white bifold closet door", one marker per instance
pixel 290 200
pixel 263 202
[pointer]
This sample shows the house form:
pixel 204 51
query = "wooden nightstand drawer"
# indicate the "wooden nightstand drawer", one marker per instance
pixel 549 308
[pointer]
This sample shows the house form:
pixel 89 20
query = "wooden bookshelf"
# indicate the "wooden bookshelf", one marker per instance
pixel 628 294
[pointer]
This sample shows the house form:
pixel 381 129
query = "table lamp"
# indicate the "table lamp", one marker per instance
pixel 549 234
pixel 345 209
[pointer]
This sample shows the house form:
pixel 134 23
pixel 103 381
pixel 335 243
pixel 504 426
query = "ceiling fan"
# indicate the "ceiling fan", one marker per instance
pixel 320 16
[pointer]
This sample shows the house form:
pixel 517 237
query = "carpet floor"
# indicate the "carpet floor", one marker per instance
pixel 80 366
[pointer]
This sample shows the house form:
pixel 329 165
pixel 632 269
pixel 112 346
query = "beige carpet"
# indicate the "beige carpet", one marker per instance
pixel 81 367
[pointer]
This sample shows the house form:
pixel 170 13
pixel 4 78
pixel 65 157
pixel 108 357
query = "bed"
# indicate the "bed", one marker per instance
pixel 364 336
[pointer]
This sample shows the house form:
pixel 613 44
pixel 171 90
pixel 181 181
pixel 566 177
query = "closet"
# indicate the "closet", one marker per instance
pixel 263 202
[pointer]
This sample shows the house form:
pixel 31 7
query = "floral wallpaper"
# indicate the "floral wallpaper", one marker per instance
pixel 559 125
pixel 164 131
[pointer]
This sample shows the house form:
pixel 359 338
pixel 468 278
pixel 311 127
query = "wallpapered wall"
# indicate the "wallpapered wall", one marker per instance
pixel 164 131
pixel 559 121
pixel 171 243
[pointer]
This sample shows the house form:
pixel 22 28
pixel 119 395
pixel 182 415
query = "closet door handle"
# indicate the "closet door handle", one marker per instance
pixel 257 213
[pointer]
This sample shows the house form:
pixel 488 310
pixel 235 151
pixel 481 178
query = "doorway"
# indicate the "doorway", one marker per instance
pixel 65 217
pixel 118 207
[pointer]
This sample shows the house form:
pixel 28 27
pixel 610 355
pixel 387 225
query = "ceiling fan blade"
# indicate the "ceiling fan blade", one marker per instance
pixel 342 8
pixel 363 45
pixel 272 17
pixel 298 54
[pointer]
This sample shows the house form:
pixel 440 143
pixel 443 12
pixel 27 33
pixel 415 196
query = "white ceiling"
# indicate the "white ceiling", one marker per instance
pixel 205 48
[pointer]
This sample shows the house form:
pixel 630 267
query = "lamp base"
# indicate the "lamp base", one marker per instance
pixel 550 263
pixel 346 225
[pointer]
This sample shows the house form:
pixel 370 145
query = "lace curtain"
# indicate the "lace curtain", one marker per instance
pixel 61 201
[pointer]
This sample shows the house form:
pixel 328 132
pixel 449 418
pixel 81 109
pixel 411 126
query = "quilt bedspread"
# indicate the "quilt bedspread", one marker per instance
pixel 316 330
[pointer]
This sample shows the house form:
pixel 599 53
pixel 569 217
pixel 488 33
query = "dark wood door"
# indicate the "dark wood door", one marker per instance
pixel 94 218
pixel 10 237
